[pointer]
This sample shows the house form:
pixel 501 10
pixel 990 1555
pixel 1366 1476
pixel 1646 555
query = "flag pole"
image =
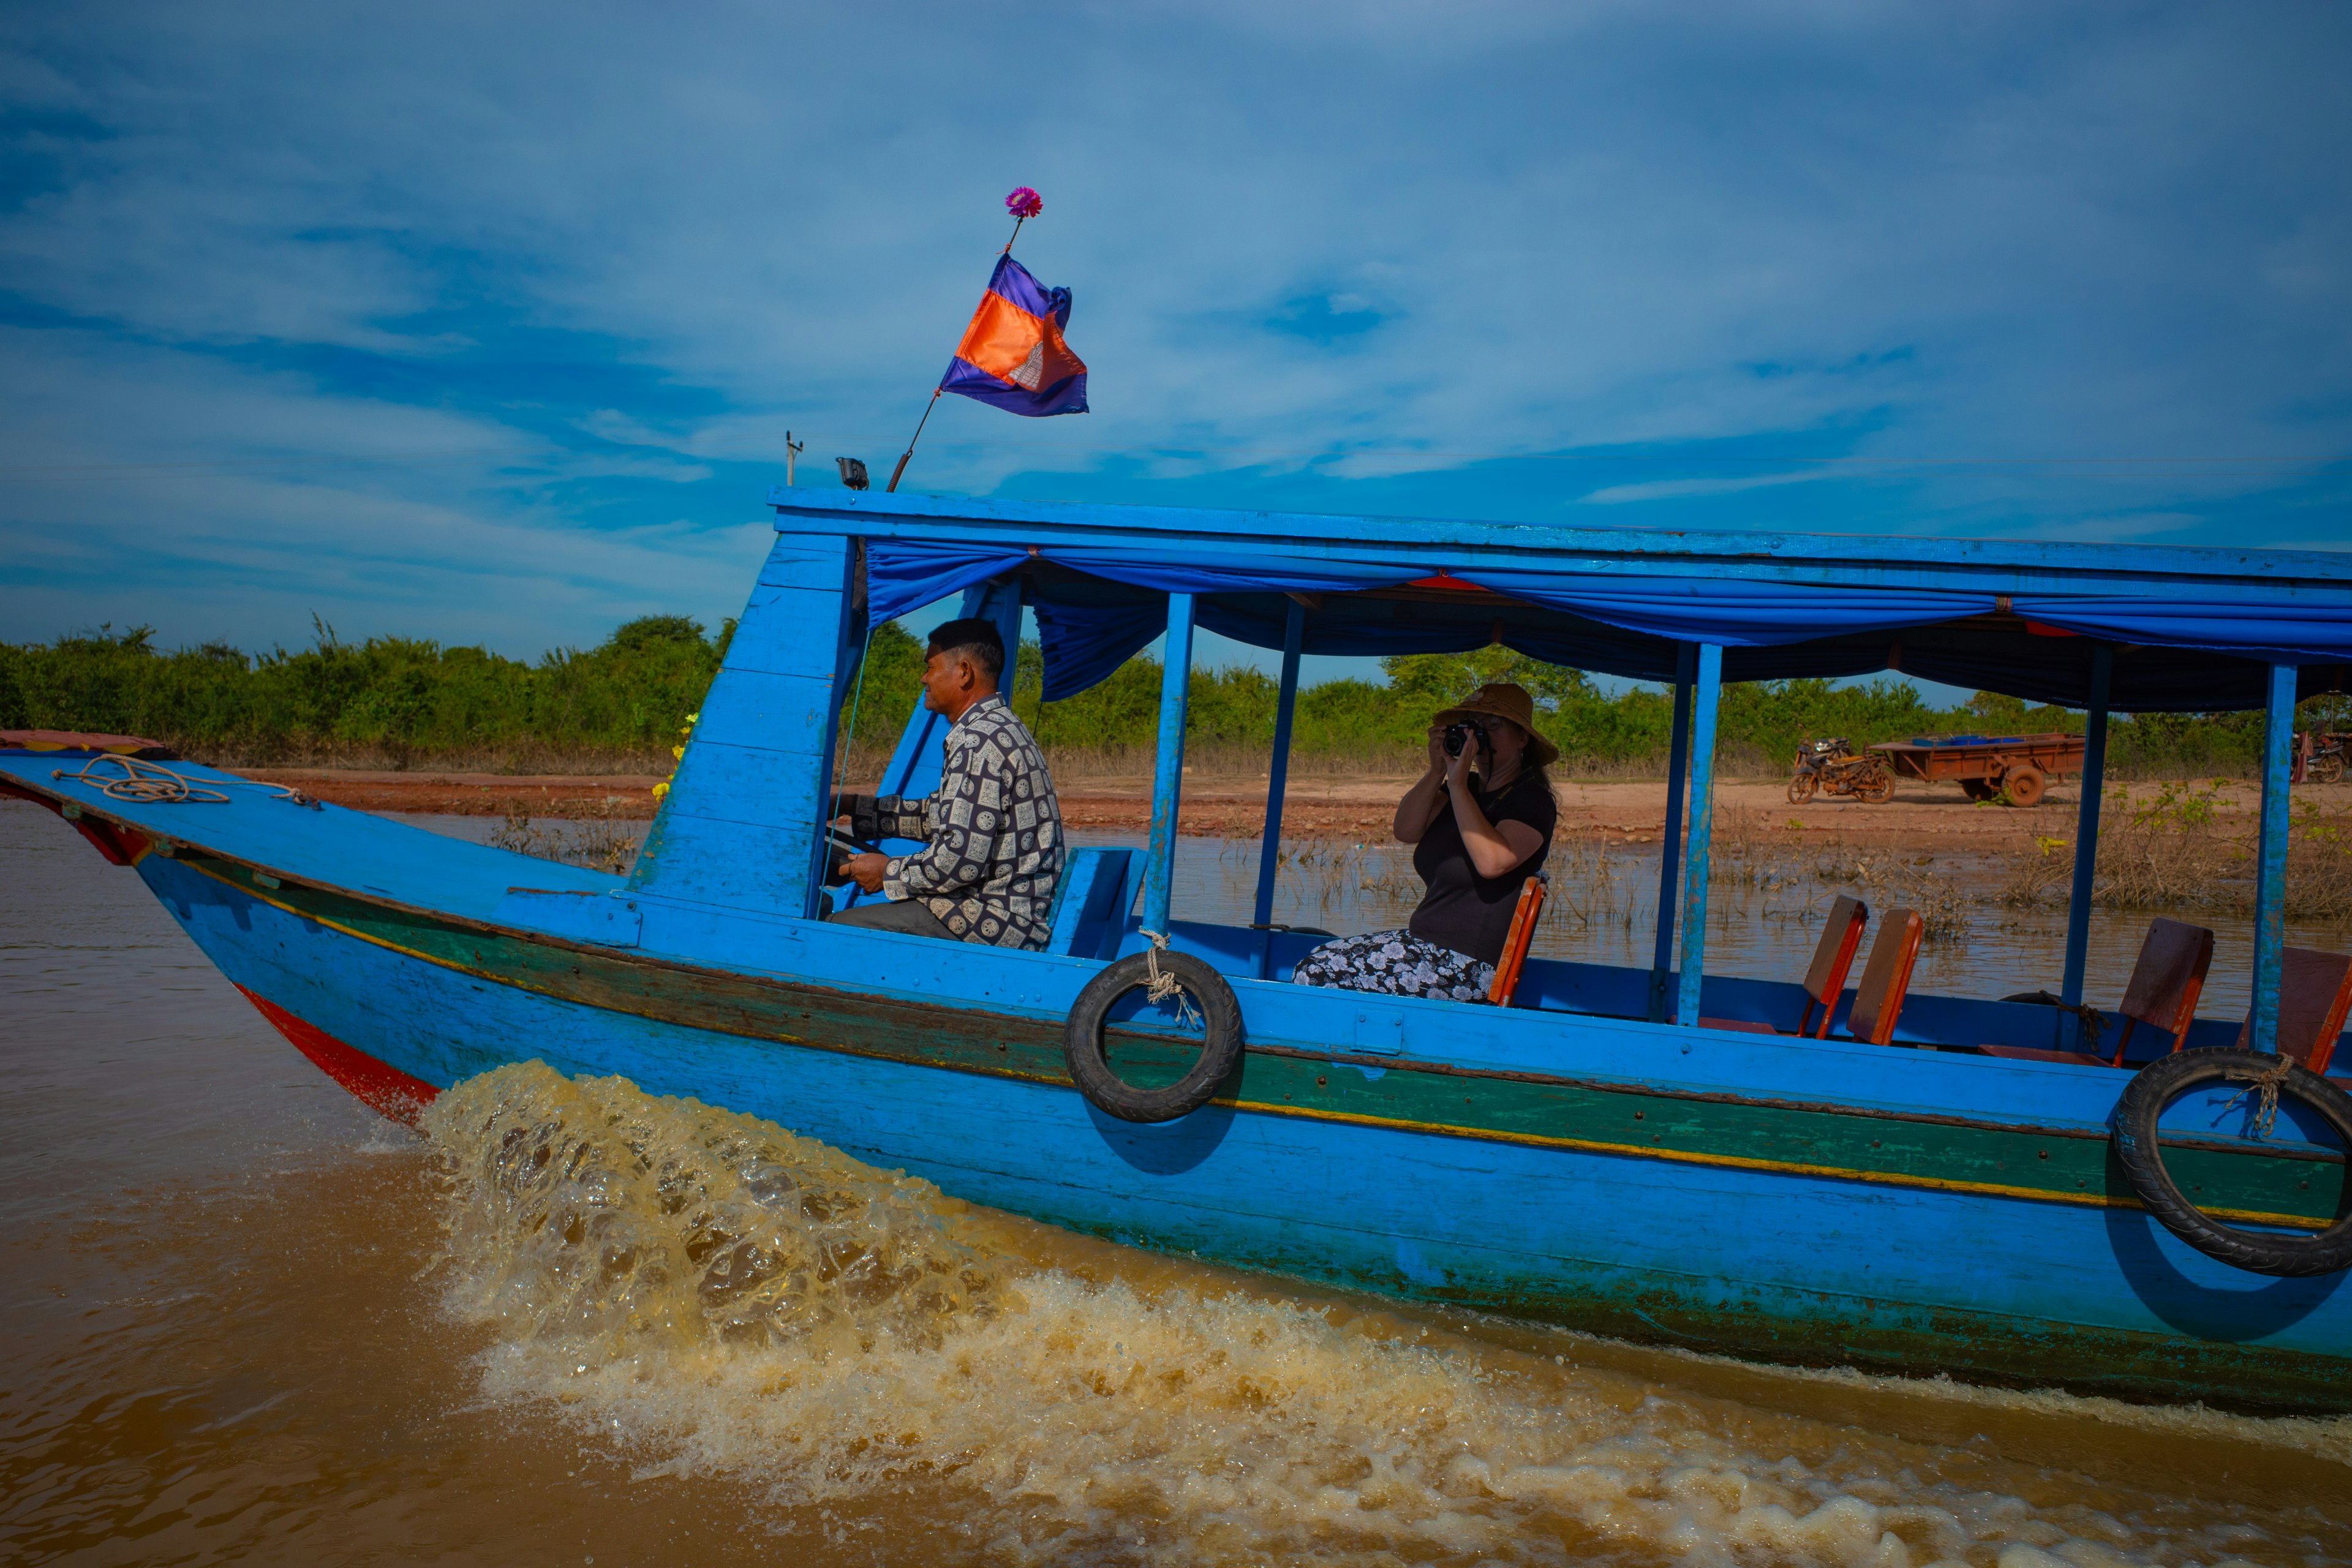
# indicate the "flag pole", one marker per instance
pixel 1020 216
pixel 917 436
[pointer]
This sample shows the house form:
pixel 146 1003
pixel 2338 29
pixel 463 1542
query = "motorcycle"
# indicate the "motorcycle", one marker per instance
pixel 2325 763
pixel 1831 767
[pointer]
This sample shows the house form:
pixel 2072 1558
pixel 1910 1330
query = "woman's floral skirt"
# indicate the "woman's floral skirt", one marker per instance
pixel 1397 963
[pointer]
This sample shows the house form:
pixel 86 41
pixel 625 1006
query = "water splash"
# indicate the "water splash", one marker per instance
pixel 718 1296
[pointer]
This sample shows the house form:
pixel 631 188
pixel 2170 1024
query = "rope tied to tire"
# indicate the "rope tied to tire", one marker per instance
pixel 143 782
pixel 2266 1084
pixel 1164 984
pixel 1159 972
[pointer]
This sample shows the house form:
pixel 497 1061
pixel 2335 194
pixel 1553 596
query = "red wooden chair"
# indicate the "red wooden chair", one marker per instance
pixel 1513 962
pixel 1886 978
pixel 2166 981
pixel 1825 980
pixel 2315 997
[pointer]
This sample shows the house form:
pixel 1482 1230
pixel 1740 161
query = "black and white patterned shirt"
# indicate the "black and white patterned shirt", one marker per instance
pixel 993 832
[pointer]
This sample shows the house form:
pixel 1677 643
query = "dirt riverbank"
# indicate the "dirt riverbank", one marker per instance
pixel 1934 817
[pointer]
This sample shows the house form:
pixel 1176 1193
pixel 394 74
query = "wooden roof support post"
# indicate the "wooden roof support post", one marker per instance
pixel 2270 877
pixel 1705 696
pixel 1277 774
pixel 2091 785
pixel 1670 842
pixel 1168 777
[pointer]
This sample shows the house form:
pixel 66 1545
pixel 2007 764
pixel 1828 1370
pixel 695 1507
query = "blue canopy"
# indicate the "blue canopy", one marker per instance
pixel 2192 629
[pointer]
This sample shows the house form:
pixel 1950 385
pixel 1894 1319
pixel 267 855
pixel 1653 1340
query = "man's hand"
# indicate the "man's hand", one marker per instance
pixel 867 871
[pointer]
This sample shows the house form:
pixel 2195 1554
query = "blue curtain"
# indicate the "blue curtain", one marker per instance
pixel 2201 650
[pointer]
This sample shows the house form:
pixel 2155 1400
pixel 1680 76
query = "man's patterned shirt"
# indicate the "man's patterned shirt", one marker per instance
pixel 992 834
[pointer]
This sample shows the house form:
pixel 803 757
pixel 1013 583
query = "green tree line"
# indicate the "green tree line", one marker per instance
pixel 407 700
pixel 401 697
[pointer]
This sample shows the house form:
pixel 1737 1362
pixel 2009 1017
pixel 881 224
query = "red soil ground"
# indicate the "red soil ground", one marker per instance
pixel 1624 811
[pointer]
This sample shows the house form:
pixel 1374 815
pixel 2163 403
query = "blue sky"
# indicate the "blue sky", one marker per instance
pixel 486 323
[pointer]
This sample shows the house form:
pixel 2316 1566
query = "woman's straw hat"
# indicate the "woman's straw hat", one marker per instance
pixel 1503 699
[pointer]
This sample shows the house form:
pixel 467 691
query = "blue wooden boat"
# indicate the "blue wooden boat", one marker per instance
pixel 1592 1155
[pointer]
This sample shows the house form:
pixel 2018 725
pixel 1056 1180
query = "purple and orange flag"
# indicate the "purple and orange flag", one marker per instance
pixel 1013 354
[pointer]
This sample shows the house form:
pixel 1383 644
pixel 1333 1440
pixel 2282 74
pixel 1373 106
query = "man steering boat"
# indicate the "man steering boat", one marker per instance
pixel 991 833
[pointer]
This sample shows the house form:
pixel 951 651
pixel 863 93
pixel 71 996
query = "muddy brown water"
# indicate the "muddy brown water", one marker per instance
pixel 249 1321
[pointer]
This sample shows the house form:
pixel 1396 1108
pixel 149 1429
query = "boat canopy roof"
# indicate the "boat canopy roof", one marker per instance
pixel 2190 629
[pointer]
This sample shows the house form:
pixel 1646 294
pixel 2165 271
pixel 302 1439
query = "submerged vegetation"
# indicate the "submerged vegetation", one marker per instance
pixel 401 701
pixel 2171 847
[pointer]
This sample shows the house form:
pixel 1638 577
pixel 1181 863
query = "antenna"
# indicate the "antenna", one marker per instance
pixel 791 450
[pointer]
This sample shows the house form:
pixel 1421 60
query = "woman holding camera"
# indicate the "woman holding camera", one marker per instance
pixel 1480 823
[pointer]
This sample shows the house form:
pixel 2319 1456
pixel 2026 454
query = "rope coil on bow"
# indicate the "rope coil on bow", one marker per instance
pixel 1163 985
pixel 143 782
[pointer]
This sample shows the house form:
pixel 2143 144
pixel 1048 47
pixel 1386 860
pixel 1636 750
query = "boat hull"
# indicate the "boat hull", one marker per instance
pixel 1687 1223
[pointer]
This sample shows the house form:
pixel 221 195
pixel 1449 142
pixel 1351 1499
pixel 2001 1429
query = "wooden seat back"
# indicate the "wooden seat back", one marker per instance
pixel 1090 905
pixel 1513 962
pixel 2166 981
pixel 1825 981
pixel 1886 978
pixel 2315 998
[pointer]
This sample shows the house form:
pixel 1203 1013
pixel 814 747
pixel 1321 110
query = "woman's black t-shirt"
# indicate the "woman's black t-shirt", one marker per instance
pixel 1461 909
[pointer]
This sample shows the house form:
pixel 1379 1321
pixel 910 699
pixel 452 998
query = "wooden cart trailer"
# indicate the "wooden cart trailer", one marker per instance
pixel 1985 764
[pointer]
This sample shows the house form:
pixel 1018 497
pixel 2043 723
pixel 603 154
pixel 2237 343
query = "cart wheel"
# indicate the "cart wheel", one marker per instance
pixel 1875 788
pixel 1801 789
pixel 2026 786
pixel 1977 789
pixel 2326 768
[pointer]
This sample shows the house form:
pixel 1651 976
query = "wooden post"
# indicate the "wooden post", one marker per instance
pixel 792 449
pixel 1705 698
pixel 1670 842
pixel 1168 777
pixel 1294 634
pixel 2091 784
pixel 2269 880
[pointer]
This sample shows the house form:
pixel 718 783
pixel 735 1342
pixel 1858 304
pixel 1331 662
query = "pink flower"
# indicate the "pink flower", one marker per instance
pixel 1025 203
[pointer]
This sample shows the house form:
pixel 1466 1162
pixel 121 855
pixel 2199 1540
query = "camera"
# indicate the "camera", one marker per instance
pixel 1458 736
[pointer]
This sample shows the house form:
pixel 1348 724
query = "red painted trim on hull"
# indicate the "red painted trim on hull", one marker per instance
pixel 381 1087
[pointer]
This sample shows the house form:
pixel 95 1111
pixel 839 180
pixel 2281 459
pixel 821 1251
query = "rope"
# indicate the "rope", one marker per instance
pixel 151 783
pixel 858 696
pixel 1163 985
pixel 2093 1021
pixel 2267 1083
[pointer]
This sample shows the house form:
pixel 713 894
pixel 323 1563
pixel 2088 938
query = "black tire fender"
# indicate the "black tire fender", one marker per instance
pixel 2166 1079
pixel 1221 1050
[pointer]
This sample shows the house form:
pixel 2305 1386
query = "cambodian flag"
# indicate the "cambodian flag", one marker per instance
pixel 1013 354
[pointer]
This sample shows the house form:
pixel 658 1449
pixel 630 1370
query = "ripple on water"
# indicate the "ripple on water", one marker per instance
pixel 713 1295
